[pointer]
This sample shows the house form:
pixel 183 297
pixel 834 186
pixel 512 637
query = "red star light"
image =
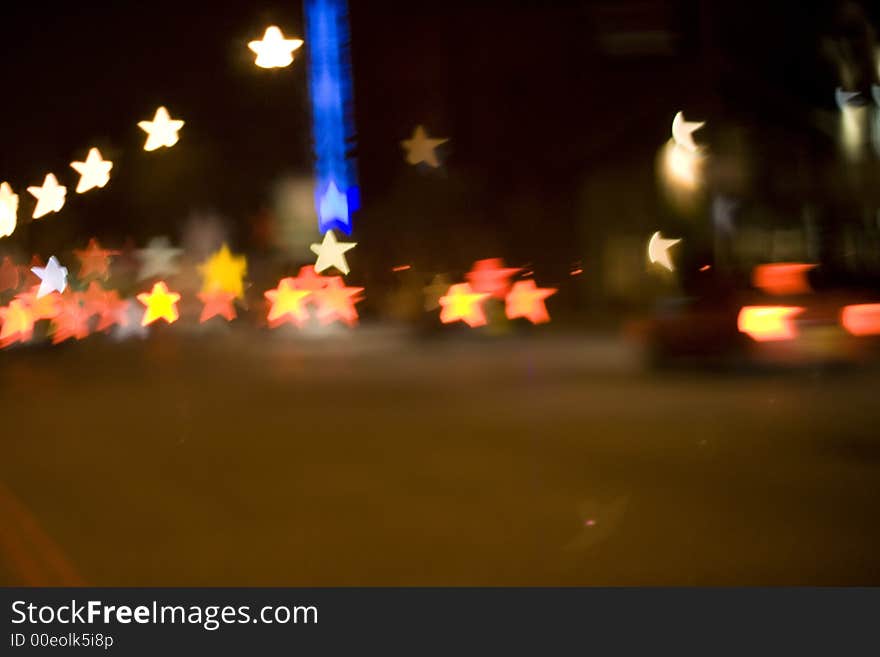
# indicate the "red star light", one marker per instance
pixel 217 303
pixel 73 320
pixel 94 298
pixel 94 261
pixel 309 279
pixel 336 301
pixel 491 276
pixel 9 277
pixel 113 312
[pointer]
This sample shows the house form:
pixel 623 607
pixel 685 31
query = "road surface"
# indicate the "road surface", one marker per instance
pixel 256 458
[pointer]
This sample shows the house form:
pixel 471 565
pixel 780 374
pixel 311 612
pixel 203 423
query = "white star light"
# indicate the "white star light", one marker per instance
pixel 132 327
pixel 94 172
pixel 50 197
pixel 8 209
pixel 53 277
pixel 161 131
pixel 658 250
pixel 420 148
pixel 273 50
pixel 331 253
pixel 157 259
pixel 682 132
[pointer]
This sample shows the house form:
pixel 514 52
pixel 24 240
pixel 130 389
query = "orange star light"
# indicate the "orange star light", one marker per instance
pixel 9 276
pixel 72 321
pixel 491 276
pixel 160 303
pixel 94 260
pixel 30 278
pixel 526 299
pixel 114 311
pixel 18 323
pixel 288 303
pixel 45 307
pixel 461 303
pixel 336 301
pixel 217 303
pixel 94 298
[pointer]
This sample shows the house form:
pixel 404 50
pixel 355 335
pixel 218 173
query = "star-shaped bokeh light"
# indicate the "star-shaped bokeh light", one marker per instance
pixel 50 196
pixel 273 50
pixel 682 132
pixel 420 148
pixel 160 304
pixel 462 304
pixel 658 250
pixel 309 279
pixel 526 300
pixel 53 277
pixel 72 321
pixel 94 261
pixel 491 276
pixel 159 258
pixel 217 303
pixel 288 304
pixel 161 131
pixel 9 275
pixel 331 253
pixel 225 272
pixel 18 323
pixel 113 312
pixel 94 172
pixel 336 302
pixel 42 307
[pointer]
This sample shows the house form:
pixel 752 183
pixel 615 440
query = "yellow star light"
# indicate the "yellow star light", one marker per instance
pixel 462 304
pixel 160 303
pixel 224 272
pixel 50 197
pixel 420 148
pixel 94 172
pixel 8 209
pixel 161 131
pixel 273 50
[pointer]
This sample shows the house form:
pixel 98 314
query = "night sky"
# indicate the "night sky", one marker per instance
pixel 532 104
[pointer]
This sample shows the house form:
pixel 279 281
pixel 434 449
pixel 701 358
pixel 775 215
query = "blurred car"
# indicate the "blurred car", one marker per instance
pixel 772 322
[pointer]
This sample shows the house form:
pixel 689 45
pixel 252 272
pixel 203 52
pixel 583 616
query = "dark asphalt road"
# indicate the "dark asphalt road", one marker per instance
pixel 253 459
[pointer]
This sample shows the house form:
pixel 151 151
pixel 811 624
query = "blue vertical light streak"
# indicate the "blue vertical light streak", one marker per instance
pixel 337 195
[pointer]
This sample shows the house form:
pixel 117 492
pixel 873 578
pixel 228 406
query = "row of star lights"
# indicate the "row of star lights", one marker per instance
pixel 272 51
pixel 460 303
pixel 296 300
pixel 94 173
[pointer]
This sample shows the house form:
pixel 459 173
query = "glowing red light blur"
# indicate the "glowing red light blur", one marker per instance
pixel 861 319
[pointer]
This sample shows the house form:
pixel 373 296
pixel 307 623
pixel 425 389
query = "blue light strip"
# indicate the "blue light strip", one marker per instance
pixel 337 195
